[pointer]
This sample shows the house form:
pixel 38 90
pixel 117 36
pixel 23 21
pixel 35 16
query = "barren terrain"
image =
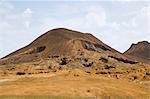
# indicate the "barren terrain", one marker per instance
pixel 66 64
pixel 66 84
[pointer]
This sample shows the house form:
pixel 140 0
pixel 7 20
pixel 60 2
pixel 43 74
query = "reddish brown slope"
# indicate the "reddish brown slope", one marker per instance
pixel 139 51
pixel 58 42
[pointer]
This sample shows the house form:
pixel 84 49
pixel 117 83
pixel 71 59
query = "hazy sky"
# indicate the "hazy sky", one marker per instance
pixel 117 23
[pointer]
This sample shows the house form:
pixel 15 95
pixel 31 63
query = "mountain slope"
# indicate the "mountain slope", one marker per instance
pixel 60 42
pixel 139 51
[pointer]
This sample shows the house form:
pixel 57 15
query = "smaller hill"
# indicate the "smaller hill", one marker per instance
pixel 139 51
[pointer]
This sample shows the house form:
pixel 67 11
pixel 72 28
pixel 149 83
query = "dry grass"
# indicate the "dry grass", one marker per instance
pixel 44 97
pixel 65 86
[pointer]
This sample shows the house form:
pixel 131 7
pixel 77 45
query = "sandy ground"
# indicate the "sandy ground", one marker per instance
pixel 62 84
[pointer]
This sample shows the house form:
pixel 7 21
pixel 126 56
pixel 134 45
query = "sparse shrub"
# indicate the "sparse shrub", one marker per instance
pixel 88 64
pixel 83 59
pixel 63 61
pixel 76 75
pixel 39 68
pixel 88 90
pixel 101 72
pixel 41 72
pixel 49 67
pixel 147 73
pixel 55 56
pixel 108 67
pixel 46 72
pixel 86 60
pixel 4 73
pixel 128 71
pixel 88 72
pixel 117 72
pixel 54 71
pixel 12 68
pixel 133 77
pixel 20 73
pixel 60 68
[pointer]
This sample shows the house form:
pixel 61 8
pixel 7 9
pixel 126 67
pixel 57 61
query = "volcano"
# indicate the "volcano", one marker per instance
pixel 75 54
pixel 60 42
pixel 139 51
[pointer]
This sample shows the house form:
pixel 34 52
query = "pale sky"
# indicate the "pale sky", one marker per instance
pixel 118 23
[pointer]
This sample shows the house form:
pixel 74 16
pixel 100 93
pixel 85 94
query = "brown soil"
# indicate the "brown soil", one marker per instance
pixel 64 83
